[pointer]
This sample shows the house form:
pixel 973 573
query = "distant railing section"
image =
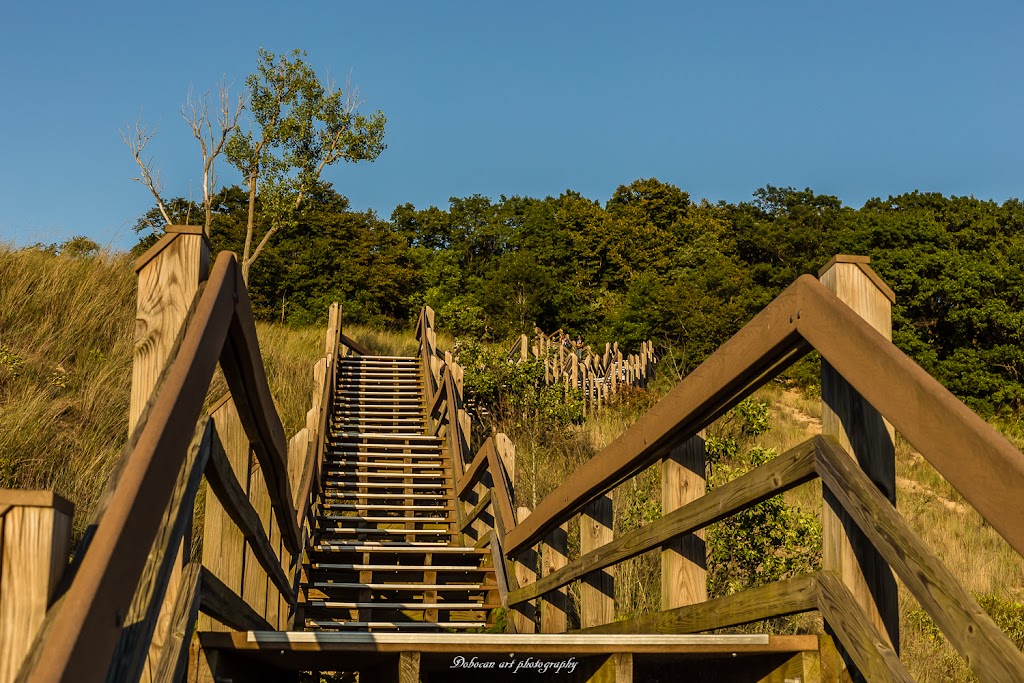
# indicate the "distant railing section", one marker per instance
pixel 597 376
pixel 127 607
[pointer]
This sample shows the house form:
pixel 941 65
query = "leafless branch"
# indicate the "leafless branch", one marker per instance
pixel 196 112
pixel 136 142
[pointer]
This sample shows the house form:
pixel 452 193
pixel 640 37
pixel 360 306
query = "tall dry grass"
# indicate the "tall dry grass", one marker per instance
pixel 66 327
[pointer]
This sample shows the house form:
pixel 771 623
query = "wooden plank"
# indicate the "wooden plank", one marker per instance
pixel 254 582
pixel 242 364
pixel 249 513
pixel 597 588
pixel 986 649
pixel 223 540
pixel 145 630
pixel 554 555
pixel 502 495
pixel 870 441
pixel 868 646
pixel 168 282
pixel 780 474
pixel 506 454
pixel 34 544
pixel 409 667
pixel 477 510
pixel 475 469
pixel 782 598
pixel 174 654
pixel 355 346
pixel 227 607
pixel 684 558
pixel 616 668
pixel 764 347
pixel 524 568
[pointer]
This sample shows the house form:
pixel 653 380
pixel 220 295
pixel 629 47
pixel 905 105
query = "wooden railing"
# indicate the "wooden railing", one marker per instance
pixel 597 376
pixel 126 608
pixel 869 388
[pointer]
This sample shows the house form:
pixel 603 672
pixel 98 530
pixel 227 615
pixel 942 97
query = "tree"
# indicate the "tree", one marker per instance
pixel 299 127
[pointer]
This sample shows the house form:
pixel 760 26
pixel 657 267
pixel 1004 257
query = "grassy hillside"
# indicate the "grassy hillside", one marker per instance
pixel 65 361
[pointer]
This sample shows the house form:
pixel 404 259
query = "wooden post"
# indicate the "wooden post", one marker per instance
pixel 554 556
pixel 869 440
pixel 597 589
pixel 684 559
pixel 223 541
pixel 524 347
pixel 507 454
pixel 35 538
pixel 169 274
pixel 524 614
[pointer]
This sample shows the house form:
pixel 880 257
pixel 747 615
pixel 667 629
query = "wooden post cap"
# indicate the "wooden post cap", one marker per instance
pixel 864 264
pixel 171 233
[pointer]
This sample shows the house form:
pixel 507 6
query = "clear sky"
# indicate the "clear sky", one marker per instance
pixel 856 99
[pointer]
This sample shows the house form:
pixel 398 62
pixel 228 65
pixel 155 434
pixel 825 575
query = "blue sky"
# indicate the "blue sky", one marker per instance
pixel 854 99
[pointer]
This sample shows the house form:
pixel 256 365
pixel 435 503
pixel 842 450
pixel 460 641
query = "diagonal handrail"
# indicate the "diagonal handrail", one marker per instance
pixel 82 630
pixel 805 316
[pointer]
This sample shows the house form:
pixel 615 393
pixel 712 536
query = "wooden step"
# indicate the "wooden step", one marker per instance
pixel 421 547
pixel 384 465
pixel 394 625
pixel 325 566
pixel 380 604
pixel 371 506
pixel 347 494
pixel 340 473
pixel 404 587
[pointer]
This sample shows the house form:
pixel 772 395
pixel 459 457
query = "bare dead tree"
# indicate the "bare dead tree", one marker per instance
pixel 150 178
pixel 196 112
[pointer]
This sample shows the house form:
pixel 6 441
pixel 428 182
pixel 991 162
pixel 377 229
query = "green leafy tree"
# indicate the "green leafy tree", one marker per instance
pixel 299 126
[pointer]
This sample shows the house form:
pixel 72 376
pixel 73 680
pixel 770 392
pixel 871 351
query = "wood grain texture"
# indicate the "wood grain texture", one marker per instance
pixel 780 474
pixel 684 558
pixel 223 540
pixel 791 596
pixel 865 643
pixel 174 653
pixel 597 588
pixel 255 579
pixel 168 283
pixel 409 667
pixel 870 441
pixel 524 569
pixel 248 513
pixel 554 556
pixel 986 649
pixel 34 544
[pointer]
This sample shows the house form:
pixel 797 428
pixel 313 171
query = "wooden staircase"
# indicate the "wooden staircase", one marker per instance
pixel 385 552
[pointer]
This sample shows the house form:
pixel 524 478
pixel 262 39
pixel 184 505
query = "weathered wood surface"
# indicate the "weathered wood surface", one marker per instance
pixel 684 558
pixel 791 596
pixel 223 540
pixel 869 440
pixel 249 514
pixel 242 364
pixel 869 647
pixel 784 472
pixel 524 568
pixel 169 276
pixel 597 588
pixel 554 556
pixel 141 640
pixel 409 667
pixel 35 537
pixel 987 650
pixel 255 581
pixel 174 652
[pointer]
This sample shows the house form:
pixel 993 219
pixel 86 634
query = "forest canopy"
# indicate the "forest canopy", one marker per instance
pixel 651 264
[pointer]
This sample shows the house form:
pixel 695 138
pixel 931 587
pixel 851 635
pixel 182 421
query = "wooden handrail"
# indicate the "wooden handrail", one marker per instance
pixel 82 630
pixel 792 468
pixel 805 316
